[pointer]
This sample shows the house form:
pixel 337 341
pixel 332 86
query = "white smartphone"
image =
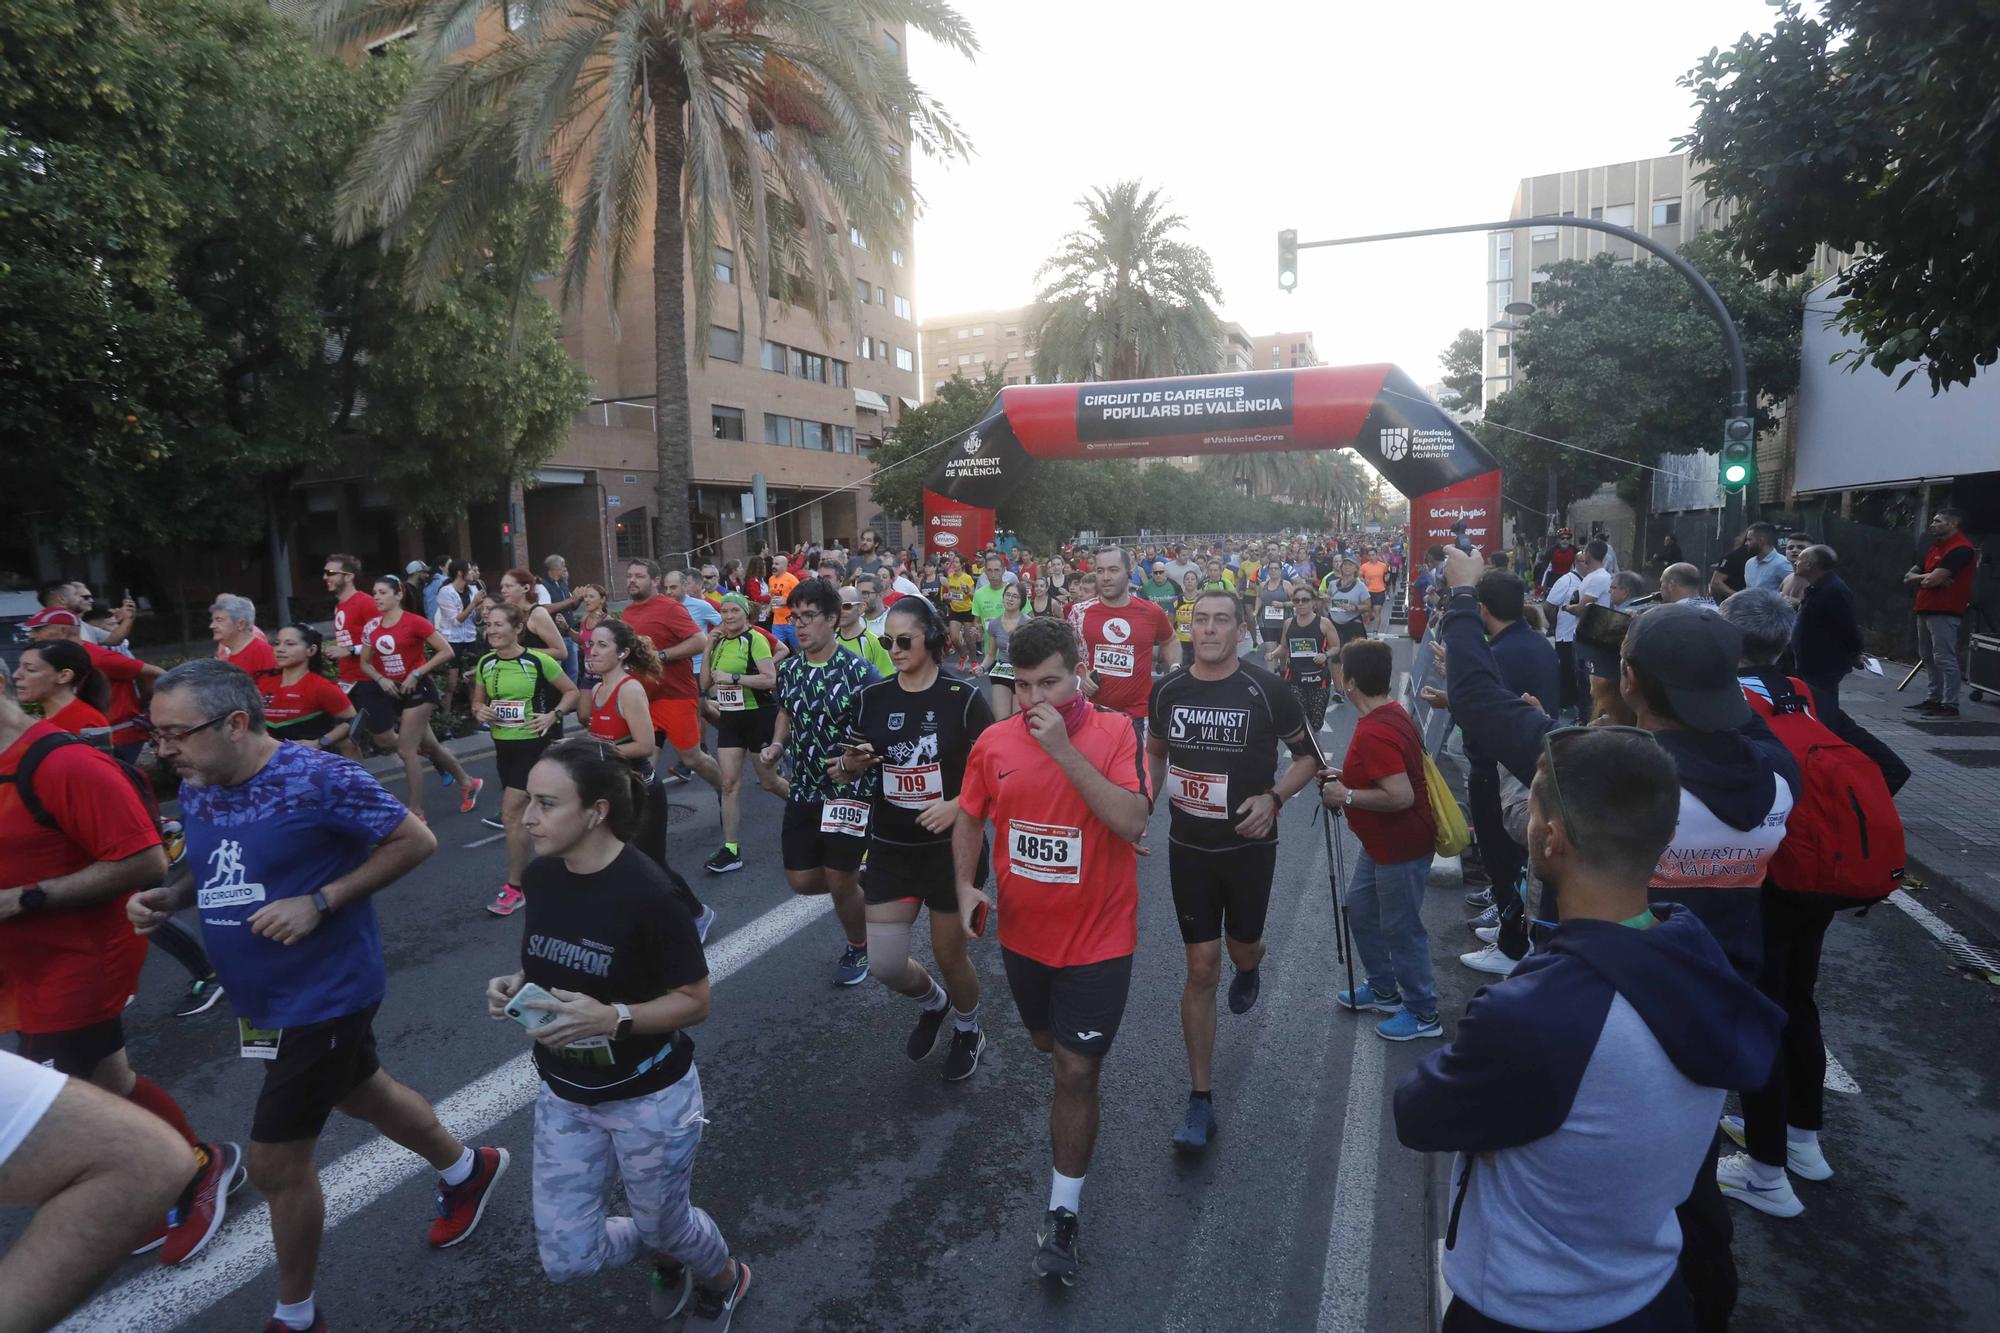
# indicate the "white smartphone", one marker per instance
pixel 530 1019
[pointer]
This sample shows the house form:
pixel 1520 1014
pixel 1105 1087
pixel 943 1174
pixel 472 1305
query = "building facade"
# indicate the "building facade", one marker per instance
pixel 1282 351
pixel 971 344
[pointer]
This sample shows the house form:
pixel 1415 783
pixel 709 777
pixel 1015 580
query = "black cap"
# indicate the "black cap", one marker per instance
pixel 1691 653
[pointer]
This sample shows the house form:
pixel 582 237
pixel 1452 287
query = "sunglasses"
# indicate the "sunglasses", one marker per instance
pixel 901 643
pixel 850 606
pixel 332 573
pixel 177 735
pixel 1549 739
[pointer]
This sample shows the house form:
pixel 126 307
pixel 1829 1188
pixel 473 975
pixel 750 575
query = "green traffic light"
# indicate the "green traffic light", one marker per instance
pixel 1735 472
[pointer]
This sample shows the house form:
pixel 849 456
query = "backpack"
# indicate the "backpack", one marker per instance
pixel 23 778
pixel 1844 837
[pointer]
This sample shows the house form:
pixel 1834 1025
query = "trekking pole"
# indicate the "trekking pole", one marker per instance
pixel 1343 939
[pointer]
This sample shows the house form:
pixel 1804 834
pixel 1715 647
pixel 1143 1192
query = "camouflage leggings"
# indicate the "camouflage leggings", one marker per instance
pixel 649 1142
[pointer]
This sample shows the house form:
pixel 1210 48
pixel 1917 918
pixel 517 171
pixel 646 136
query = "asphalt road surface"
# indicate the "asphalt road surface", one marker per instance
pixel 868 1194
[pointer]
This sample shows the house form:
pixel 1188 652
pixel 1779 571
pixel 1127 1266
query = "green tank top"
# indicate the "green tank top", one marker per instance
pixel 518 688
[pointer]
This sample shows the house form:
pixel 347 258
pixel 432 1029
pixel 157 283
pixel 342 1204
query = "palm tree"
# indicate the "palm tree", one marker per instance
pixel 773 126
pixel 1123 298
pixel 1329 480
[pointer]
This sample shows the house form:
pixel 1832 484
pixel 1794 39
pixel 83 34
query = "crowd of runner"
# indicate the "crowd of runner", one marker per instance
pixel 1684 843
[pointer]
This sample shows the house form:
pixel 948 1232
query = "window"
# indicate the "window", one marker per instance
pixel 1503 292
pixel 965 360
pixel 1666 212
pixel 725 422
pixel 1013 331
pixel 1619 215
pixel 634 539
pixel 1502 352
pixel 961 334
pixel 979 330
pixel 881 350
pixel 839 373
pixel 517 17
pixel 861 290
pixel 896 258
pixel 979 358
pixel 1503 262
pixel 795 363
pixel 891 45
pixel 854 236
pixel 867 348
pixel 777 430
pixel 812 435
pixel 1542 234
pixel 944 360
pixel 905 359
pixel 903 308
pixel 813 367
pixel 724 344
pixel 774 357
pixel 725 265
pixel 881 297
pixel 843 439
pixel 1274 358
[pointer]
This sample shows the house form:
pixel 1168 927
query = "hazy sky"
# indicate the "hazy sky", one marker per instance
pixel 1329 116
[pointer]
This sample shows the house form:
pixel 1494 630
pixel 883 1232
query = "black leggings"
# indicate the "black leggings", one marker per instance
pixel 1794 932
pixel 651 840
pixel 1312 699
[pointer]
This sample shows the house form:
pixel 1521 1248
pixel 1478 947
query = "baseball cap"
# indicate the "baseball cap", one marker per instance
pixel 1691 653
pixel 414 567
pixel 52 615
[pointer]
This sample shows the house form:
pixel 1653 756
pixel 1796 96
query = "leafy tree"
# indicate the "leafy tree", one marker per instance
pixel 771 125
pixel 1123 298
pixel 1465 369
pixel 1622 358
pixel 1871 128
pixel 902 463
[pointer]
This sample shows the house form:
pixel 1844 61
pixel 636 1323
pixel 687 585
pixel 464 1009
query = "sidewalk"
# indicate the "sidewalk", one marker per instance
pixel 1951 805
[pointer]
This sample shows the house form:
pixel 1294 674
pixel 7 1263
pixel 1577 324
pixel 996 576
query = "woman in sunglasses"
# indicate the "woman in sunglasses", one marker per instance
pixel 998 668
pixel 1309 642
pixel 919 725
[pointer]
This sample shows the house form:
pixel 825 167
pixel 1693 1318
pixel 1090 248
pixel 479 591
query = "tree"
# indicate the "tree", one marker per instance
pixel 1464 364
pixel 1123 298
pixel 1621 358
pixel 1869 128
pixel 773 125
pixel 1330 481
pixel 906 458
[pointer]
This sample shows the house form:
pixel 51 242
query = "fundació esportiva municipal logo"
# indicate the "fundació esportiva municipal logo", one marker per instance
pixel 1395 443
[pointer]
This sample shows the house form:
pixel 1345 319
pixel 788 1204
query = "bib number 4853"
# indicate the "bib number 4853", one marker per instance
pixel 1049 853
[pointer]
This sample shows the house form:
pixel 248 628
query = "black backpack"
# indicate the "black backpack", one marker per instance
pixel 23 778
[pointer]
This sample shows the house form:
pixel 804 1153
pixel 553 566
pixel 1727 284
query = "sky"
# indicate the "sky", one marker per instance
pixel 1328 116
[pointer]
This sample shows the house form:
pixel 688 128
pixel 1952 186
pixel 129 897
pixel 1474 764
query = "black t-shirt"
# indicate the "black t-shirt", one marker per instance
pixel 923 737
pixel 1222 740
pixel 620 936
pixel 1731 566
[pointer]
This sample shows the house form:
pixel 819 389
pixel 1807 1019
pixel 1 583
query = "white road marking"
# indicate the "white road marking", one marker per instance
pixel 1444 1288
pixel 484 841
pixel 1929 920
pixel 1343 1293
pixel 1837 1078
pixel 168 1297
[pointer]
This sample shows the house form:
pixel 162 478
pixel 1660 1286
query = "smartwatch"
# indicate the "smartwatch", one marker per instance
pixel 624 1028
pixel 319 901
pixel 33 900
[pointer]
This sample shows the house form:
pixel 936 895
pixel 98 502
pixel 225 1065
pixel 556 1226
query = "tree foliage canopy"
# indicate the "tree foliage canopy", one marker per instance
pixel 1464 363
pixel 1873 128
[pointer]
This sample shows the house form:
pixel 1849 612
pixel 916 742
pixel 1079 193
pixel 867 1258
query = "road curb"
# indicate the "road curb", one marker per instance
pixel 1941 881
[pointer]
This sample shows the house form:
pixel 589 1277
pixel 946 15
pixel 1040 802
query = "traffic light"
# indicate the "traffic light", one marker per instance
pixel 1288 259
pixel 1739 454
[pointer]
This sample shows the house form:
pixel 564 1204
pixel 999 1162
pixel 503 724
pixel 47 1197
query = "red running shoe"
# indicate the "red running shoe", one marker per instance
pixel 471 795
pixel 198 1215
pixel 461 1206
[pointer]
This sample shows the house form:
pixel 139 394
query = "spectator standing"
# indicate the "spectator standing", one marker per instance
pixel 1766 566
pixel 1942 581
pixel 1727 576
pixel 458 607
pixel 1682 583
pixel 1826 639
pixel 561 599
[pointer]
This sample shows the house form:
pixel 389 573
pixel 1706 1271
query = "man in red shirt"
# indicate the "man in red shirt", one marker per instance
pixel 68 958
pixel 353 608
pixel 1943 584
pixel 1121 635
pixel 126 674
pixel 1380 786
pixel 1064 785
pixel 238 641
pixel 675 702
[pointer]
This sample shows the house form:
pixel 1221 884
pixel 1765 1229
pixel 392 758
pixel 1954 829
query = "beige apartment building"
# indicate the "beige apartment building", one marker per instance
pixel 970 344
pixel 1283 351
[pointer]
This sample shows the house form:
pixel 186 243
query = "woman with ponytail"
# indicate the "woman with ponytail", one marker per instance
pixel 56 675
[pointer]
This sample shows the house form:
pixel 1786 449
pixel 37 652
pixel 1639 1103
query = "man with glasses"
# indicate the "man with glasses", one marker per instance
pixel 710 590
pixel 1582 1095
pixel 286 846
pixel 826 821
pixel 874 614
pixel 852 633
pixel 353 608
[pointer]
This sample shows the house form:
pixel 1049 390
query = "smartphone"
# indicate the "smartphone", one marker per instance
pixel 530 1019
pixel 979 915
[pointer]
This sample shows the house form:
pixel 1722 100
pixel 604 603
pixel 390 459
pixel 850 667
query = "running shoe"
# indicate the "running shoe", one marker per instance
pixel 1736 1176
pixel 1804 1160
pixel 202 993
pixel 1361 997
pixel 674 777
pixel 446 778
pixel 471 795
pixel 723 862
pixel 507 902
pixel 493 821
pixel 1243 988
pixel 963 1058
pixel 924 1036
pixel 277 1325
pixel 1489 960
pixel 672 1287
pixel 1055 1255
pixel 703 922
pixel 1197 1127
pixel 460 1206
pixel 712 1310
pixel 1487 934
pixel 1488 918
pixel 1483 898
pixel 852 969
pixel 1923 705
pixel 1939 714
pixel 197 1215
pixel 1406 1026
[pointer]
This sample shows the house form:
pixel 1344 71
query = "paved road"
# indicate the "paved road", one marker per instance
pixel 868 1194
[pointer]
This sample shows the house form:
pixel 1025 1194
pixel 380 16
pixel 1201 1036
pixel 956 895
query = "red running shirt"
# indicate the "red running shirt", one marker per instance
pixel 1385 742
pixel 1068 886
pixel 68 969
pixel 349 619
pixel 665 622
pixel 398 649
pixel 1118 643
pixel 254 657
pixel 313 695
pixel 606 722
pixel 75 716
pixel 121 671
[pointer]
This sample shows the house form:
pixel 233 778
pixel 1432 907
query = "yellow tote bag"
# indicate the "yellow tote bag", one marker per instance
pixel 1452 835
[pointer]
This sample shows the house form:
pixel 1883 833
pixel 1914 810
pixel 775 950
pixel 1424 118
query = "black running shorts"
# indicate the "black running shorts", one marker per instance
pixel 382 712
pixel 806 848
pixel 1080 1007
pixel 514 759
pixel 747 730
pixel 897 872
pixel 76 1051
pixel 1224 888
pixel 316 1069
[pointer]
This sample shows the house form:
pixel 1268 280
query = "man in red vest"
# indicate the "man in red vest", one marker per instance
pixel 1943 583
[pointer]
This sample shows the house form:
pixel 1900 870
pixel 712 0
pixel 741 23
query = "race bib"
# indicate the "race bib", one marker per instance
pixel 1002 671
pixel 257 1043
pixel 729 698
pixel 1304 647
pixel 1274 613
pixel 1203 794
pixel 1050 853
pixel 1113 659
pixel 914 786
pixel 844 816
pixel 510 712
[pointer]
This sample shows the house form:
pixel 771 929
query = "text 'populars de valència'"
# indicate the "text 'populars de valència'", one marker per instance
pixel 1219 400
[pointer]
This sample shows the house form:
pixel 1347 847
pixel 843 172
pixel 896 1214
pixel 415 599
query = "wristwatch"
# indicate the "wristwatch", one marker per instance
pixel 319 901
pixel 1276 799
pixel 624 1028
pixel 1350 797
pixel 33 900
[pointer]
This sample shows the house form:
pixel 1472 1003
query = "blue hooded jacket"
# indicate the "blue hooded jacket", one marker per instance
pixel 1581 1095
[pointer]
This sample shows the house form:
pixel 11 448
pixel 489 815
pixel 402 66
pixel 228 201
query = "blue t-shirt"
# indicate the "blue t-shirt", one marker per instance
pixel 706 619
pixel 302 821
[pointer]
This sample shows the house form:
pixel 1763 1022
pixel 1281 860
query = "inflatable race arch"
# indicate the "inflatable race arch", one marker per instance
pixel 1378 411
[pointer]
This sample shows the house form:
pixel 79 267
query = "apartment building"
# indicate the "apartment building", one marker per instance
pixel 1283 351
pixel 970 344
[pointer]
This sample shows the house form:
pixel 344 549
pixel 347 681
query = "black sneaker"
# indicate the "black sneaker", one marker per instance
pixel 714 1309
pixel 202 993
pixel 723 862
pixel 1923 705
pixel 1056 1254
pixel 1939 713
pixel 672 1287
pixel 1243 988
pixel 924 1036
pixel 1197 1127
pixel 963 1058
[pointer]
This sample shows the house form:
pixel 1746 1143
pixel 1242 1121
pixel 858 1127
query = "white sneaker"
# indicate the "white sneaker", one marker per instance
pixel 1804 1160
pixel 1489 959
pixel 1487 934
pixel 1734 1174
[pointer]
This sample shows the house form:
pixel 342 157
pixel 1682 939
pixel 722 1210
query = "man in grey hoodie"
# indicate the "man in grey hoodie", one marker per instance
pixel 1581 1092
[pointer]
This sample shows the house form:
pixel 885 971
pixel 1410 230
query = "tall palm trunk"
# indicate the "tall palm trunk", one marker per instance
pixel 673 449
